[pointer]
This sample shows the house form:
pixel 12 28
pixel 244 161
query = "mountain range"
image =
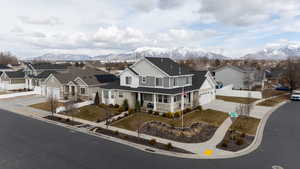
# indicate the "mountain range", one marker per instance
pixel 277 52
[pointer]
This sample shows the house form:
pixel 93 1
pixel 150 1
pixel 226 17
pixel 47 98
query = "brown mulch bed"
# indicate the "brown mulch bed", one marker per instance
pixel 142 141
pixel 61 120
pixel 196 133
pixel 234 141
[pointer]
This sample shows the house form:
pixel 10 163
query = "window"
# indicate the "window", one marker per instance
pixel 186 80
pixel 121 95
pixel 144 80
pixel 67 89
pixel 128 80
pixel 160 98
pixel 166 99
pixel 159 81
pixel 175 82
pixel 105 92
pixel 82 90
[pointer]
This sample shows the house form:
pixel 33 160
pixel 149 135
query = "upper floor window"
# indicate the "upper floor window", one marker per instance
pixel 186 80
pixel 144 80
pixel 159 82
pixel 128 80
pixel 82 90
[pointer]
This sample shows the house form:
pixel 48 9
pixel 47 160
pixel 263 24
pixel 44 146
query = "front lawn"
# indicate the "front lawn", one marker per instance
pixel 244 124
pixel 134 121
pixel 274 101
pixel 44 106
pixel 237 99
pixel 272 92
pixel 95 112
pixel 240 134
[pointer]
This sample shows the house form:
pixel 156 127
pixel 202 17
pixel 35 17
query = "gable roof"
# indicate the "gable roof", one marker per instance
pixel 198 79
pixel 169 66
pixel 45 74
pixel 88 75
pixel 133 71
pixel 16 74
pixel 49 66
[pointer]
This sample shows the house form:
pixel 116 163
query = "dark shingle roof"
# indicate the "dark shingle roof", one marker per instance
pixel 4 67
pixel 45 74
pixel 49 66
pixel 89 76
pixel 16 74
pixel 198 79
pixel 169 66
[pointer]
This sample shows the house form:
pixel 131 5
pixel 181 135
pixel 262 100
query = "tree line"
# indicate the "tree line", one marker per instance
pixel 7 58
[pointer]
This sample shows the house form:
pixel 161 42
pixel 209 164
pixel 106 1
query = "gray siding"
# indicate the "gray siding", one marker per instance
pixel 166 82
pixel 150 81
pixel 230 76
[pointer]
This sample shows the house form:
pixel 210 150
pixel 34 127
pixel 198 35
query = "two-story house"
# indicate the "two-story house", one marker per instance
pixel 162 85
pixel 239 77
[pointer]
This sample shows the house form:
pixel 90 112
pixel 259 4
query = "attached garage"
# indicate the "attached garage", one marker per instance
pixel 206 97
pixel 52 91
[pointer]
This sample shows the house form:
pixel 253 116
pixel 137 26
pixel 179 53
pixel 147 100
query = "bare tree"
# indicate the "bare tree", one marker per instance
pixel 7 58
pixel 53 103
pixel 70 108
pixel 292 74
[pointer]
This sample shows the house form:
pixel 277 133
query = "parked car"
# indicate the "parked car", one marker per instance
pixel 295 95
pixel 283 88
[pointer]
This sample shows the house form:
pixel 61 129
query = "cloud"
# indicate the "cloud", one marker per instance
pixel 247 12
pixel 17 29
pixel 149 5
pixel 40 21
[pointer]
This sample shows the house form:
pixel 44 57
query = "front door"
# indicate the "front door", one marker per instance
pixel 73 90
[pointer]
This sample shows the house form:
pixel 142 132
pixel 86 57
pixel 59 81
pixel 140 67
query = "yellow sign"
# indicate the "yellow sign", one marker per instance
pixel 208 152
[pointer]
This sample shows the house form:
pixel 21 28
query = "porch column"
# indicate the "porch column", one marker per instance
pixel 102 97
pixel 192 99
pixel 172 103
pixel 182 102
pixel 139 97
pixel 154 102
pixel 109 97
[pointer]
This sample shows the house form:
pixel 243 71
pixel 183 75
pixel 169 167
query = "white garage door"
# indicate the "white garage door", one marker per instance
pixel 53 92
pixel 206 97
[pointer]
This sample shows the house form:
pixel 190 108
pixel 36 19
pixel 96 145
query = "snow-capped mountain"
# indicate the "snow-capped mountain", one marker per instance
pixel 60 57
pixel 277 52
pixel 174 53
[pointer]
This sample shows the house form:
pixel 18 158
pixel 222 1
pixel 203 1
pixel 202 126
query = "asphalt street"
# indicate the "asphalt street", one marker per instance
pixel 27 143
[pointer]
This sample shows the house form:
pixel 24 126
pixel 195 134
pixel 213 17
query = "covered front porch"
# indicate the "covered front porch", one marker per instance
pixel 165 102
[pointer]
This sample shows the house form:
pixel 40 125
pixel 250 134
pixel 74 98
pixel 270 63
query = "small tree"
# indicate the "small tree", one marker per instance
pixel 125 105
pixel 137 106
pixel 53 103
pixel 97 99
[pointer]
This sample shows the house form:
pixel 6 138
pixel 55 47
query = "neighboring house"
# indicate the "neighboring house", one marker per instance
pixel 5 68
pixel 36 73
pixel 12 80
pixel 160 84
pixel 35 69
pixel 275 76
pixel 239 77
pixel 76 84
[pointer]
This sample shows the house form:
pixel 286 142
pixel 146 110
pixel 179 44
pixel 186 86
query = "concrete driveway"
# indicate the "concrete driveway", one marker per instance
pixel 221 105
pixel 21 105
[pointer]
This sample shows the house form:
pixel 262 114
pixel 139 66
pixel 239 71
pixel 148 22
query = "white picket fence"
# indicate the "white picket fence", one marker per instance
pixel 11 95
pixel 77 105
pixel 228 91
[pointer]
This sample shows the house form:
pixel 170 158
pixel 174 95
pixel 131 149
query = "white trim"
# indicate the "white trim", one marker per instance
pixel 81 80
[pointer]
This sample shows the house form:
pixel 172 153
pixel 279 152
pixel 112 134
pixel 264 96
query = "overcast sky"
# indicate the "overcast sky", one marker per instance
pixel 231 27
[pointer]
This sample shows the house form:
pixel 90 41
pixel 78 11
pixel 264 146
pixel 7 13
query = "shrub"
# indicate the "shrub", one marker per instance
pixel 121 109
pixel 110 105
pixel 188 110
pixel 68 120
pixel 137 106
pixel 169 115
pixel 116 132
pixel 130 111
pixel 243 135
pixel 225 143
pixel 156 113
pixel 239 141
pixel 98 121
pixel 232 137
pixel 125 105
pixel 116 106
pixel 152 141
pixel 150 111
pixel 169 146
pixel 177 114
pixel 199 108
pixel 97 99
